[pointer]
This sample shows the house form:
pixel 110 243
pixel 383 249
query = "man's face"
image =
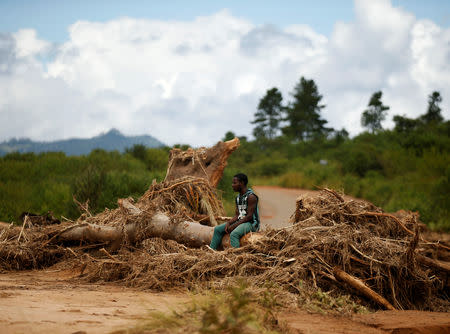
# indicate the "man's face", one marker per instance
pixel 236 184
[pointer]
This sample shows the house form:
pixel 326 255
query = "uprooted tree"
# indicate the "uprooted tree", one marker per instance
pixel 172 209
pixel 332 243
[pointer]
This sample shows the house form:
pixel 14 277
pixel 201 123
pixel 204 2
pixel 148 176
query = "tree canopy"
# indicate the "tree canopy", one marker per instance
pixel 433 113
pixel 372 117
pixel 303 113
pixel 268 116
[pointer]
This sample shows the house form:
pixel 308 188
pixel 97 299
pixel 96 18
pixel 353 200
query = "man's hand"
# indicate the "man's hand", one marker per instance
pixel 231 226
pixel 227 227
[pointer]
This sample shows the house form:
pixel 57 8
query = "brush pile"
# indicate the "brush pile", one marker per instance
pixel 189 197
pixel 327 233
pixel 37 246
pixel 333 244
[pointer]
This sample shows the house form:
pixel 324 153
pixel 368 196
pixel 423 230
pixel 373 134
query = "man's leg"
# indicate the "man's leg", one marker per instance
pixel 219 232
pixel 239 232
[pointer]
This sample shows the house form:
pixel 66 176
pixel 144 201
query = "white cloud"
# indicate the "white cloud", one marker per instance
pixel 28 45
pixel 191 82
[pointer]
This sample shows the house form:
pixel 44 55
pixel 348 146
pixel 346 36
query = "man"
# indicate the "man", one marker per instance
pixel 246 218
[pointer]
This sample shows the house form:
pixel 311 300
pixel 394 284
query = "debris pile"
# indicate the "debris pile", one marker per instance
pixel 333 244
pixel 37 246
pixel 188 197
pixel 328 236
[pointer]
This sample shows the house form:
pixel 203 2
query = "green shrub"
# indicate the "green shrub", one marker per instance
pixel 234 311
pixel 89 185
pixel 268 166
pixel 358 159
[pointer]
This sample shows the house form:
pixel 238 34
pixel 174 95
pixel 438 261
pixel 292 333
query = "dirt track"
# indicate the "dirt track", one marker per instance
pixel 52 301
pixel 277 204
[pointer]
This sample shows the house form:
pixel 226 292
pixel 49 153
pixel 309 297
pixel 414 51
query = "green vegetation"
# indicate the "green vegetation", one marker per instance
pixel 393 170
pixel 46 182
pixel 372 117
pixel 404 168
pixel 237 310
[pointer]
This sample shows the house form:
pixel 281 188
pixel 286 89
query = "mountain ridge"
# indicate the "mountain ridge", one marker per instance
pixel 108 141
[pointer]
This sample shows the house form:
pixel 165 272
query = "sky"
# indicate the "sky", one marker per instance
pixel 189 71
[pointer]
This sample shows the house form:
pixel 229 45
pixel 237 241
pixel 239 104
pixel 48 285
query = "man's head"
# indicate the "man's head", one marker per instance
pixel 240 181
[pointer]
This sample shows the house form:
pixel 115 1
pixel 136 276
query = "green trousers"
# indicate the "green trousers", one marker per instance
pixel 235 235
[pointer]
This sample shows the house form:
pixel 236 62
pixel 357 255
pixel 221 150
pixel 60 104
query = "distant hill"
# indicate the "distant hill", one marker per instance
pixel 110 141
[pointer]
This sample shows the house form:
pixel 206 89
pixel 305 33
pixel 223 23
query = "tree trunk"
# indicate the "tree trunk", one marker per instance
pixel 207 163
pixel 188 233
pixel 362 288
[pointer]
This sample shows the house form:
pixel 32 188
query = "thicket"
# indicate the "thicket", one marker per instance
pixel 45 182
pixel 392 169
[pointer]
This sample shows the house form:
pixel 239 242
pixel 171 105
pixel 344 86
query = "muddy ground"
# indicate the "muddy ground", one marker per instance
pixel 53 301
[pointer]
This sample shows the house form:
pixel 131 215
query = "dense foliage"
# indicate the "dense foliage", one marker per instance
pixel 45 182
pixel 392 169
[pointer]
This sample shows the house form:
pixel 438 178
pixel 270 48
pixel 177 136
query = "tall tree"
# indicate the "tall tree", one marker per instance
pixel 372 117
pixel 303 114
pixel 433 113
pixel 268 116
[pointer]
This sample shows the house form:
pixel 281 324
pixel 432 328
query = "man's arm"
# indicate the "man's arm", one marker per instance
pixel 232 220
pixel 252 201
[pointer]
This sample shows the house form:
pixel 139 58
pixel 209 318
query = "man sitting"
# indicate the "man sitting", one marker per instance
pixel 246 218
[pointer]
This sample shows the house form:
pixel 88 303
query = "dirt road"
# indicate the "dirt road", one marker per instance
pixel 277 204
pixel 53 301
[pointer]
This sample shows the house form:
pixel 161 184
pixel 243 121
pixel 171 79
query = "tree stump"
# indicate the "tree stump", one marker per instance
pixel 207 163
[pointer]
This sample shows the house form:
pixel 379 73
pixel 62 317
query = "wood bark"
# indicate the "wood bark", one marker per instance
pixel 359 285
pixel 188 233
pixel 207 163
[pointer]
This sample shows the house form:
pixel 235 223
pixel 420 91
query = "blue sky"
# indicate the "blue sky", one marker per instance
pixel 189 71
pixel 51 18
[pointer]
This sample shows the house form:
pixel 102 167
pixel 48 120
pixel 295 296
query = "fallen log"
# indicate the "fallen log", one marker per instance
pixel 188 233
pixel 359 285
pixel 435 264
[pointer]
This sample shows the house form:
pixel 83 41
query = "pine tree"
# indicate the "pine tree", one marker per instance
pixel 268 115
pixel 433 113
pixel 372 117
pixel 303 114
